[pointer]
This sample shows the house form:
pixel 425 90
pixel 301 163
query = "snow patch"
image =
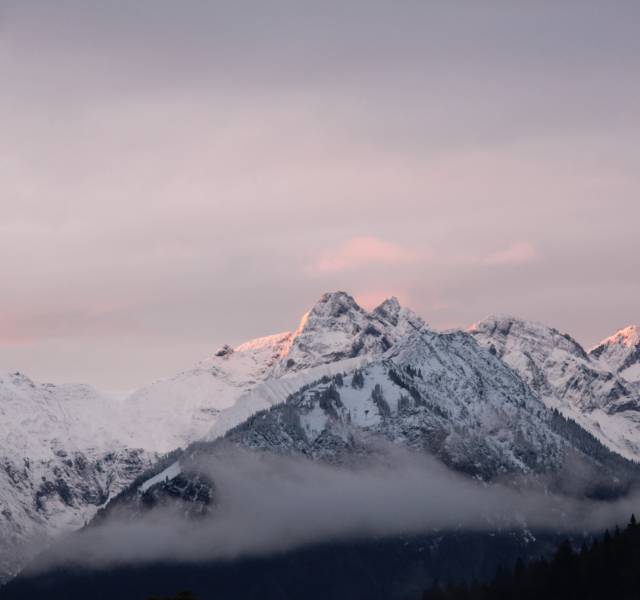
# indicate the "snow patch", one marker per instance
pixel 171 472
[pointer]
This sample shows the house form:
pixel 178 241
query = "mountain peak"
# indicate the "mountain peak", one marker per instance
pixel 389 310
pixel 514 332
pixel 390 303
pixel 621 352
pixel 502 320
pixel 628 337
pixel 335 304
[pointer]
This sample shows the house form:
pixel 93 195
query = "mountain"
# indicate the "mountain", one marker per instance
pixel 346 383
pixel 438 393
pixel 229 386
pixel 441 394
pixel 67 449
pixel 578 384
pixel 620 353
pixel 61 458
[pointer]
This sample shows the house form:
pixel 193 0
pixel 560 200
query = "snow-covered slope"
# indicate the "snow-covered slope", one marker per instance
pixel 62 455
pixel 344 379
pixel 171 413
pixel 559 370
pixel 620 353
pixel 66 449
pixel 229 386
pixel 336 328
pixel 437 393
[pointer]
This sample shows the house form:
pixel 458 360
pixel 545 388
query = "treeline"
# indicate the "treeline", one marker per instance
pixel 608 568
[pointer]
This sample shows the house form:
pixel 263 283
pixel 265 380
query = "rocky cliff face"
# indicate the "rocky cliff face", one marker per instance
pixel 566 377
pixel 60 460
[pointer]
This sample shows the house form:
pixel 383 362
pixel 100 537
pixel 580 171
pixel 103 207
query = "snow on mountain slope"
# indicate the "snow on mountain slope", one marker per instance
pixel 620 353
pixel 276 390
pixel 66 449
pixel 343 379
pixel 567 378
pixel 337 328
pixel 232 384
pixel 61 457
pixel 438 393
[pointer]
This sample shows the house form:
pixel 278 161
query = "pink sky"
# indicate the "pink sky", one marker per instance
pixel 180 176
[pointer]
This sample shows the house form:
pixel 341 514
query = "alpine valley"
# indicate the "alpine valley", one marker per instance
pixel 506 403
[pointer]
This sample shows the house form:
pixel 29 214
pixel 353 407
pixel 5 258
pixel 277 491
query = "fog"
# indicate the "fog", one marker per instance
pixel 266 504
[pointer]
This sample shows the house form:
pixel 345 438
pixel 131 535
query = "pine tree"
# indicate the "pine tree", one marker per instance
pixel 609 568
pixel 357 380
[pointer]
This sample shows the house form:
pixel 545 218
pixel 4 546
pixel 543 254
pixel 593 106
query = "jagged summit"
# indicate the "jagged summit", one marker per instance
pixel 389 310
pixel 509 329
pixel 621 352
pixel 337 328
pixel 335 304
pixel 627 336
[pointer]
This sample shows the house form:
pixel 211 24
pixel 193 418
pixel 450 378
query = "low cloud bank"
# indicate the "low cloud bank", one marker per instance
pixel 267 504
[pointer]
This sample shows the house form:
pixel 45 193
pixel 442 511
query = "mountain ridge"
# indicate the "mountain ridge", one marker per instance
pixel 91 452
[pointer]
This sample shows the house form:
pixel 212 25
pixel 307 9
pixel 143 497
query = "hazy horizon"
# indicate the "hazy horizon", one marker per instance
pixel 175 176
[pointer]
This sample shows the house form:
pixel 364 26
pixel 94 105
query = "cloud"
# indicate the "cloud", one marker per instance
pixel 516 254
pixel 266 503
pixel 360 251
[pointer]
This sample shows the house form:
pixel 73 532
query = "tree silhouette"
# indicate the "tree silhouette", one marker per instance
pixel 608 568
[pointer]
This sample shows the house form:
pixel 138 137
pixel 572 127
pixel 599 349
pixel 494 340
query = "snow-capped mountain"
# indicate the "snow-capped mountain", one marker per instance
pixel 438 393
pixel 620 353
pixel 67 449
pixel 345 379
pixel 336 328
pixel 62 456
pixel 229 386
pixel 566 377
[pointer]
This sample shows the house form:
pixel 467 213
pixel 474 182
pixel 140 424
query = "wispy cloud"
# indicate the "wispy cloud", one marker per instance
pixel 268 503
pixel 360 251
pixel 516 254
